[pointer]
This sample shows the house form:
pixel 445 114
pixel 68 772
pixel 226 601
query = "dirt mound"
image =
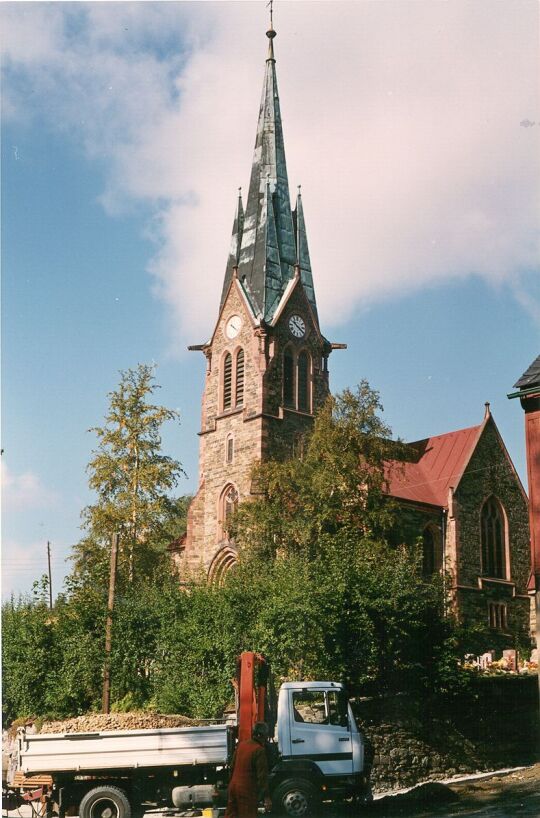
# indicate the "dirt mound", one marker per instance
pixel 98 722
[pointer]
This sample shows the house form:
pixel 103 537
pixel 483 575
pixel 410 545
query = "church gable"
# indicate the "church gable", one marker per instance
pixel 463 502
pixel 491 505
pixel 297 376
pixel 232 378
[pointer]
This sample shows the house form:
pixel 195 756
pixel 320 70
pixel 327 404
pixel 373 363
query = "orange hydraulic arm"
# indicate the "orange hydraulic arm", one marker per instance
pixel 252 678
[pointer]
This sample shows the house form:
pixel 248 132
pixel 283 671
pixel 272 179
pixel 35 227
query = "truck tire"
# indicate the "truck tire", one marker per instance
pixel 105 802
pixel 295 797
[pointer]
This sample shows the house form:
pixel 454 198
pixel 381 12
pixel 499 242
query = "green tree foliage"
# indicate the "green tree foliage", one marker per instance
pixel 27 640
pixel 337 485
pixel 327 522
pixel 321 588
pixel 133 481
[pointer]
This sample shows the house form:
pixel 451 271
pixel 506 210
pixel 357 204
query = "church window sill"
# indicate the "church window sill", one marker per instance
pixel 300 412
pixel 229 412
pixel 496 582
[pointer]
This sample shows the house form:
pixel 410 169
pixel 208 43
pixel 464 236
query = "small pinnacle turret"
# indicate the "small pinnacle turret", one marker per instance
pixel 269 241
pixel 236 240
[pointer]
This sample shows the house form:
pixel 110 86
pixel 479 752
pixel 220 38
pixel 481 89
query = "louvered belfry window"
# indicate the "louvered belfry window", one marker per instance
pixel 239 377
pixel 493 540
pixel 288 378
pixel 227 381
pixel 303 382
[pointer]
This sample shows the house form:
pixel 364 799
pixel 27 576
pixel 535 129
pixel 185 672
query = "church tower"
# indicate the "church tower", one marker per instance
pixel 267 361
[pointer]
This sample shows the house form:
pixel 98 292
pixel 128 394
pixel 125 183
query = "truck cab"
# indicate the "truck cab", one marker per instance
pixel 321 749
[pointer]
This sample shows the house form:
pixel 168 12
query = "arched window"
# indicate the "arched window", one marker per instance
pixel 229 504
pixel 229 449
pixel 227 381
pixel 303 381
pixel 297 380
pixel 288 377
pixel 223 562
pixel 431 551
pixel 239 390
pixel 493 538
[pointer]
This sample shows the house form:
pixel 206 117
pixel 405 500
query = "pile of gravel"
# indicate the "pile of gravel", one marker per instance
pixel 98 722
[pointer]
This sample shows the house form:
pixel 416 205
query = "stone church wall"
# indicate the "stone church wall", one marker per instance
pixel 489 472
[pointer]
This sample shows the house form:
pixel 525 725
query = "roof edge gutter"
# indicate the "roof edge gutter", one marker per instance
pixel 532 390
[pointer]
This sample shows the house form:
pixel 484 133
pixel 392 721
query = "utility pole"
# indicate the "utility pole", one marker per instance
pixel 106 701
pixel 50 574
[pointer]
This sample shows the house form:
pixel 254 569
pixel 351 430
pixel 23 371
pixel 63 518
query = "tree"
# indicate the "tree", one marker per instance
pixel 346 594
pixel 133 481
pixel 337 485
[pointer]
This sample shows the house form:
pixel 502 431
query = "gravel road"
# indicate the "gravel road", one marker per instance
pixel 499 796
pixel 514 794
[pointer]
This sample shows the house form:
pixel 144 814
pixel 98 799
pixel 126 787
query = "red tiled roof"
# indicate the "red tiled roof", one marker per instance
pixel 439 463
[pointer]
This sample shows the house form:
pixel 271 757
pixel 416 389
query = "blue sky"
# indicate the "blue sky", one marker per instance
pixel 126 129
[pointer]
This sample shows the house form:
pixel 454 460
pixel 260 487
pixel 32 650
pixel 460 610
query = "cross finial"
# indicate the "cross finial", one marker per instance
pixel 271 6
pixel 271 33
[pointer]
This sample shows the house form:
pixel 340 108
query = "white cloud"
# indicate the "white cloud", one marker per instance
pixel 24 492
pixel 402 121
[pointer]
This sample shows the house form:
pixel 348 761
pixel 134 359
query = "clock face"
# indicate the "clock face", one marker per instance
pixel 233 326
pixel 297 326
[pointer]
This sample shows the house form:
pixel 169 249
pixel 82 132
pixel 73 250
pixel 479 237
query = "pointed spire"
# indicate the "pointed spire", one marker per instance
pixel 302 250
pixel 269 169
pixel 269 243
pixel 236 241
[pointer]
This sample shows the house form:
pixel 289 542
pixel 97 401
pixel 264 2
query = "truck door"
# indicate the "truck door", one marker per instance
pixel 320 729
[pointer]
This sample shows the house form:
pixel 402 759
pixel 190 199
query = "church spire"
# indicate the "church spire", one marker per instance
pixel 267 246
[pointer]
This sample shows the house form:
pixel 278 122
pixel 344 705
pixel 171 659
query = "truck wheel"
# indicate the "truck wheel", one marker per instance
pixel 295 797
pixel 105 802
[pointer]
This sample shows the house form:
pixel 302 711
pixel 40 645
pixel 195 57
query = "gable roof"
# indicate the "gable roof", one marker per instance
pixel 438 463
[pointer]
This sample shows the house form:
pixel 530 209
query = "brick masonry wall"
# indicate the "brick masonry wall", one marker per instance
pixel 493 725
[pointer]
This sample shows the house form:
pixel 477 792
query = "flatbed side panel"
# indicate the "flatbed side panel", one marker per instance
pixel 77 752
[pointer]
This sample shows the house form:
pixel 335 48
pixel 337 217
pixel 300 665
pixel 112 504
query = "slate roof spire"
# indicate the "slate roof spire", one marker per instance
pixel 236 240
pixel 265 249
pixel 302 251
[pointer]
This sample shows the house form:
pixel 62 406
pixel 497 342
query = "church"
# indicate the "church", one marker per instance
pixel 267 374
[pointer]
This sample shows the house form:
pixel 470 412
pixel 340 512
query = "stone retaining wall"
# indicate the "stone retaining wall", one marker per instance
pixel 495 724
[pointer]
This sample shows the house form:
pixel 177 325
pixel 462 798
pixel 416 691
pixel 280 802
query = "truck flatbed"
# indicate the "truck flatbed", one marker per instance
pixel 122 749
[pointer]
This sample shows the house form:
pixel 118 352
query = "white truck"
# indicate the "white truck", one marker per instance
pixel 317 753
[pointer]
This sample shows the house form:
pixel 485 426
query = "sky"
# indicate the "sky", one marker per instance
pixel 127 128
